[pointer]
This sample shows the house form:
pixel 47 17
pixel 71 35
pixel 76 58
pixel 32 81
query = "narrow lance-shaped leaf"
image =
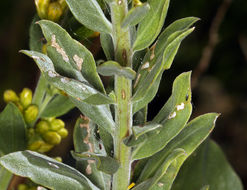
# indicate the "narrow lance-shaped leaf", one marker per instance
pixel 105 164
pixel 85 141
pixel 89 13
pixel 152 182
pixel 155 55
pixel 189 139
pixel 161 63
pixel 73 88
pixel 67 52
pixel 35 35
pixel 107 45
pixel 151 25
pixel 58 106
pixel 99 114
pixel 135 15
pixel 177 113
pixel 141 130
pixel 207 167
pixel 5 178
pixel 12 130
pixel 111 68
pixel 46 171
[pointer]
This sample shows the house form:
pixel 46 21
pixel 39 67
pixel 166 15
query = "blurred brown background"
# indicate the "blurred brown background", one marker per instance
pixel 216 53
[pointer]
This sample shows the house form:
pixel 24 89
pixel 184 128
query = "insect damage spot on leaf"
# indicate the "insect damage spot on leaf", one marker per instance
pixel 145 65
pixel 59 49
pixel 52 74
pixel 89 169
pixel 172 115
pixel 64 80
pixel 120 2
pixel 160 184
pixel 137 80
pixel 78 60
pixel 180 107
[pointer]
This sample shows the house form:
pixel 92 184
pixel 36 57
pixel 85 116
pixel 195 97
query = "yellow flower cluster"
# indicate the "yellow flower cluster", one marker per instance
pixel 24 103
pixel 51 10
pixel 46 134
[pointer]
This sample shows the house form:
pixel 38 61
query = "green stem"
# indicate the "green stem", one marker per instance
pixel 123 90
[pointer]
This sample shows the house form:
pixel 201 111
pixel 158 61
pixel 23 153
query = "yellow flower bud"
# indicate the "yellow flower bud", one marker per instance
pixel 42 127
pixel 58 158
pixel 57 124
pixel 42 8
pixel 31 113
pixel 63 4
pixel 10 96
pixel 55 11
pixel 44 49
pixel 35 145
pixel 63 132
pixel 22 187
pixel 45 147
pixel 26 97
pixel 52 137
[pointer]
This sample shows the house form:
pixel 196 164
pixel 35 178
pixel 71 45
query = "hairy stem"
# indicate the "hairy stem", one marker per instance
pixel 123 90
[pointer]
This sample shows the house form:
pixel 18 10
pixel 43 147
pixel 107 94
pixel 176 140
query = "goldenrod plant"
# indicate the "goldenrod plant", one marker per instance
pixel 115 146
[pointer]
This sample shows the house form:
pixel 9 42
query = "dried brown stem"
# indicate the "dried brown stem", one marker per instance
pixel 212 42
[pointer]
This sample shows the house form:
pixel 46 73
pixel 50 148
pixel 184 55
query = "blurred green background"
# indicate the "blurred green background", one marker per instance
pixel 221 87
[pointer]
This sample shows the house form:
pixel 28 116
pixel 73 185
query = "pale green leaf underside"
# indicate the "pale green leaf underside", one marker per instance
pixel 46 171
pixel 69 56
pixel 76 89
pixel 111 68
pixel 89 13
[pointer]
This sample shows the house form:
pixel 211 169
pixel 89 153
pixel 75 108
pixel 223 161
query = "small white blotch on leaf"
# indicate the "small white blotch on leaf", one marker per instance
pixel 160 184
pixel 59 49
pixel 180 107
pixel 145 65
pixel 78 60
pixel 52 74
pixel 53 165
pixel 172 115
pixel 64 80
pixel 89 169
pixel 35 57
pixel 120 2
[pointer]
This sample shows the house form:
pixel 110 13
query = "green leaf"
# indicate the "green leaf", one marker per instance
pixel 40 91
pixel 5 178
pixel 46 171
pixel 152 182
pixel 66 52
pixel 135 15
pixel 76 89
pixel 207 166
pixel 12 130
pixel 89 13
pixel 167 35
pixel 101 115
pixel 105 164
pixel 35 35
pixel 84 138
pixel 111 68
pixel 141 130
pixel 107 45
pixel 153 71
pixel 189 139
pixel 152 24
pixel 59 105
pixel 173 116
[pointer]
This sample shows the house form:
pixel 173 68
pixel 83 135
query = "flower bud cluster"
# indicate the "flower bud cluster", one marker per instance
pixel 46 134
pixel 51 10
pixel 24 103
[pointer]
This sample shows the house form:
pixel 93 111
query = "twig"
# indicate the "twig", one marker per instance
pixel 212 42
